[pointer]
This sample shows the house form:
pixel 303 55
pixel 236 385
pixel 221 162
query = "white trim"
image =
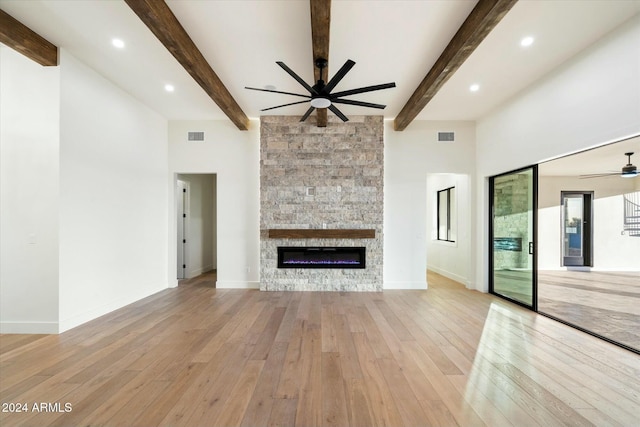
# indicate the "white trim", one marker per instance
pixel 195 272
pixel 448 243
pixel 450 275
pixel 404 285
pixel 79 319
pixel 198 271
pixel 28 328
pixel 237 285
pixel 183 205
pixel 592 269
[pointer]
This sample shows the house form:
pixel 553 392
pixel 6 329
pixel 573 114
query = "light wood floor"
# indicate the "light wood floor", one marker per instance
pixel 207 279
pixel 201 356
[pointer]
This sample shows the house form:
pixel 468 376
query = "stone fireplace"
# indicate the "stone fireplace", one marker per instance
pixel 321 189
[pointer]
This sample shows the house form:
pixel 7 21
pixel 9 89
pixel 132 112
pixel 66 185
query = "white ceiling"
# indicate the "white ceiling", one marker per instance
pixel 389 41
pixel 604 159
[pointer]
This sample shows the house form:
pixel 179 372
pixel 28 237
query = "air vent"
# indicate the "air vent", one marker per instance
pixel 196 136
pixel 446 137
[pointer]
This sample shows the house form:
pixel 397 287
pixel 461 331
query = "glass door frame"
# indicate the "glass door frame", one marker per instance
pixel 534 267
pixel 586 234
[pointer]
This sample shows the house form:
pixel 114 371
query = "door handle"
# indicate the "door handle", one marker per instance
pixel 530 248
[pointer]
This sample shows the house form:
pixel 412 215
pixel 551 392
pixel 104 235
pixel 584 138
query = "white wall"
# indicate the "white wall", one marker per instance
pixel 592 99
pixel 113 196
pixel 201 227
pixel 29 149
pixel 234 157
pixel 613 250
pixel 451 259
pixel 410 156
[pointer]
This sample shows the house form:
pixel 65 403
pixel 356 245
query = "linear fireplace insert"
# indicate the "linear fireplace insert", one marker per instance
pixel 321 257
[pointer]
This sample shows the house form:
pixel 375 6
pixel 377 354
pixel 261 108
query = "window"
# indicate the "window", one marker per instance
pixel 447 214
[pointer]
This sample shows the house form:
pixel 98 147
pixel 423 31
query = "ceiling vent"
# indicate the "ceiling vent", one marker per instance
pixel 195 136
pixel 446 137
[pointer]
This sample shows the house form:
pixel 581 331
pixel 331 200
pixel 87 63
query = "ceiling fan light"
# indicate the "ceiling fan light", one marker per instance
pixel 629 174
pixel 320 102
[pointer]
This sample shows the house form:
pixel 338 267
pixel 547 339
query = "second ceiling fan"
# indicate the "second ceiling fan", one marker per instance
pixel 627 171
pixel 320 94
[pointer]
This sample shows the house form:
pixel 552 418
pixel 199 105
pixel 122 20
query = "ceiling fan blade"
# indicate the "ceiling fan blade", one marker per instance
pixel 339 75
pixel 297 77
pixel 598 175
pixel 307 114
pixel 338 113
pixel 277 91
pixel 362 90
pixel 359 103
pixel 284 105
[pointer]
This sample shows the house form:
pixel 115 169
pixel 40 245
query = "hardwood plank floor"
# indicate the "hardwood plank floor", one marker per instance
pixel 196 356
pixel 606 303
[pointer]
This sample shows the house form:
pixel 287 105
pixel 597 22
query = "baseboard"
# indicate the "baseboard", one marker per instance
pixel 103 309
pixel 29 327
pixel 237 285
pixel 579 268
pixel 195 272
pixel 198 271
pixel 404 285
pixel 591 269
pixel 450 275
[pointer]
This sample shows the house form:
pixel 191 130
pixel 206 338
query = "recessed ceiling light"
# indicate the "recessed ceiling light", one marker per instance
pixel 118 43
pixel 169 88
pixel 474 87
pixel 527 41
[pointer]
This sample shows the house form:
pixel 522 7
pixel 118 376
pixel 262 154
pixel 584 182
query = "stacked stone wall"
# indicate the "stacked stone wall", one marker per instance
pixel 321 177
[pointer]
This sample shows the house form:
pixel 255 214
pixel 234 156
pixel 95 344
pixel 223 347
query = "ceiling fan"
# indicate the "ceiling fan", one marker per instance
pixel 628 171
pixel 320 94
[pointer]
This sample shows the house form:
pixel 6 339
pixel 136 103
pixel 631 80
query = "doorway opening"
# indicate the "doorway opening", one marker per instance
pixel 196 217
pixel 577 228
pixel 449 215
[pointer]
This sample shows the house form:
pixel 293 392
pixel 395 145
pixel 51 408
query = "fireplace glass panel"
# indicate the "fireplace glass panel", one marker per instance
pixel 321 257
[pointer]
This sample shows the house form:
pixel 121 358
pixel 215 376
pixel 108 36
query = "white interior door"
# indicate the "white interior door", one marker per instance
pixel 182 192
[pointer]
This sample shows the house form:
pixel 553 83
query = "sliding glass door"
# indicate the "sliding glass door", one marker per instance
pixel 512 236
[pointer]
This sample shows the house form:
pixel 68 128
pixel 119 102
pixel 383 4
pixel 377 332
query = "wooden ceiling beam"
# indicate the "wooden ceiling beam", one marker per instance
pixel 162 22
pixel 21 38
pixel 320 26
pixel 482 19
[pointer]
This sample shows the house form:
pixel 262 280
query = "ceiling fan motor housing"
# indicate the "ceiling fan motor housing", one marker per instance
pixel 321 63
pixel 629 170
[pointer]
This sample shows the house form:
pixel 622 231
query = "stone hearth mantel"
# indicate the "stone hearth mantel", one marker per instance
pixel 306 233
